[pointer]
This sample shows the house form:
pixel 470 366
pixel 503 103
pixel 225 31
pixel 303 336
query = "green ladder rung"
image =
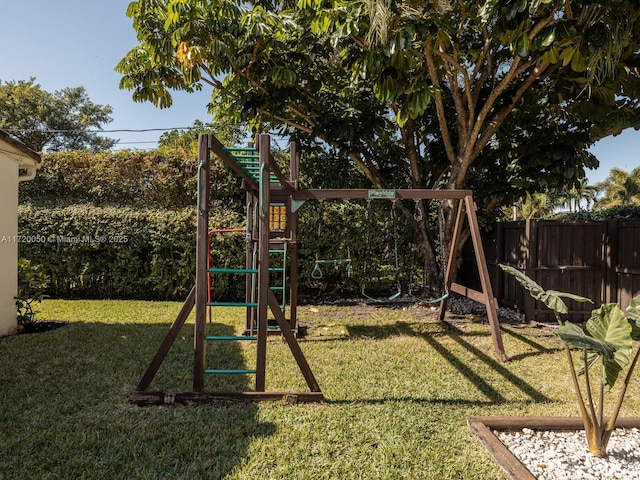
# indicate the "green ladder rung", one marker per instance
pixel 277 288
pixel 248 164
pixel 232 270
pixel 277 269
pixel 277 251
pixel 229 337
pixel 232 304
pixel 269 327
pixel 239 371
pixel 239 149
pixel 236 155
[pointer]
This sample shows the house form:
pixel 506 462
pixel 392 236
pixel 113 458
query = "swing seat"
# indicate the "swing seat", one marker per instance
pixel 383 299
pixel 431 301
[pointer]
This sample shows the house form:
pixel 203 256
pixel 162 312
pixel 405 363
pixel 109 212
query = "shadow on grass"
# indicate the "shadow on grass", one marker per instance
pixel 460 402
pixel 540 349
pixel 451 331
pixel 65 410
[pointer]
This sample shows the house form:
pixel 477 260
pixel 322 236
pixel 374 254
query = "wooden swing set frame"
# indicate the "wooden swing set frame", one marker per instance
pixel 265 185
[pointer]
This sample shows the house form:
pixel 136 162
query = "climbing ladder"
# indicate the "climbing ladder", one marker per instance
pixel 267 269
pixel 212 272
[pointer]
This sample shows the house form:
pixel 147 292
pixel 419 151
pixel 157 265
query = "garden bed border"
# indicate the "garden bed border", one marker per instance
pixel 483 428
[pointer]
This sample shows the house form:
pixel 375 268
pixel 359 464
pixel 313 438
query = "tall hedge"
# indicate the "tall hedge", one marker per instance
pixel 122 225
pixel 116 252
pixel 156 179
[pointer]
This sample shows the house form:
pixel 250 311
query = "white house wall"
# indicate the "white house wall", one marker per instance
pixel 8 245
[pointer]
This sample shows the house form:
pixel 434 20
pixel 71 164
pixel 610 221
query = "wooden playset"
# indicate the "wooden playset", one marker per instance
pixel 273 202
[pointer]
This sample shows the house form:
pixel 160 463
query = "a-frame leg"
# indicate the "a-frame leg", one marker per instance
pixel 290 338
pixel 166 344
pixel 486 295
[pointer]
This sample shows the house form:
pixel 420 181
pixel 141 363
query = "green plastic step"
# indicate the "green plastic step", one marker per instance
pixel 232 270
pixel 239 149
pixel 239 371
pixel 229 337
pixel 240 155
pixel 232 304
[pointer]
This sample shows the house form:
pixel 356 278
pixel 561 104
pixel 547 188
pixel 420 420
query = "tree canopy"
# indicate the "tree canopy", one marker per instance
pixel 620 188
pixel 63 120
pixel 424 94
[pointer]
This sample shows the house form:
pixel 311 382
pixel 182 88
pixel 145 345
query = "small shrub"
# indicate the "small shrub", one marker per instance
pixel 32 283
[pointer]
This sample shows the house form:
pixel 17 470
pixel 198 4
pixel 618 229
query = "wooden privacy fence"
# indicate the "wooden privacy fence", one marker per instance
pixel 599 260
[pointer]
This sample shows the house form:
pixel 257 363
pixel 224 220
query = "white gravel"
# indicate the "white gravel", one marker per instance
pixel 564 455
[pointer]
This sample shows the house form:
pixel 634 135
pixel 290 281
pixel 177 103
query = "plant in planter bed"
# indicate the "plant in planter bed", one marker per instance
pixel 604 345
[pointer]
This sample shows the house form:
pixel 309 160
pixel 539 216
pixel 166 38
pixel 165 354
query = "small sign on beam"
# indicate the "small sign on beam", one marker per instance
pixel 382 193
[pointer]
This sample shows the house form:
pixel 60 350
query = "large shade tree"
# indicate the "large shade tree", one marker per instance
pixel 53 121
pixel 500 96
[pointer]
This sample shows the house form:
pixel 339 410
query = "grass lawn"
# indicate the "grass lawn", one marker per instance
pixel 399 387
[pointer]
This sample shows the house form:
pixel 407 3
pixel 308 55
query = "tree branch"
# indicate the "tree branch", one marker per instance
pixel 442 118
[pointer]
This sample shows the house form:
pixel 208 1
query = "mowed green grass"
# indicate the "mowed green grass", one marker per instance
pixel 399 387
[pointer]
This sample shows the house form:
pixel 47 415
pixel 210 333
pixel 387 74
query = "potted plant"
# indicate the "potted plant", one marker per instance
pixel 604 347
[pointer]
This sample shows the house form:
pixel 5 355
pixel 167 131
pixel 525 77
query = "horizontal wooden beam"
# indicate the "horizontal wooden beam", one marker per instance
pixel 469 292
pixel 557 424
pixel 144 398
pixel 387 194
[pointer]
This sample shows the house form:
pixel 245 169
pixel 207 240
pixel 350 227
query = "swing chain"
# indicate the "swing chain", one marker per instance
pixel 316 273
pixel 417 212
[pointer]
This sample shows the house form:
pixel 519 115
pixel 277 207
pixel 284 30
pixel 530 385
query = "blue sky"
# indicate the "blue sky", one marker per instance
pixel 70 43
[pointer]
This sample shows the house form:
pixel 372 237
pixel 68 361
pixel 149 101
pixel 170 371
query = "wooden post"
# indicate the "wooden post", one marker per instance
pixel 263 260
pixel 294 168
pixel 248 264
pixel 448 278
pixel 202 236
pixel 490 301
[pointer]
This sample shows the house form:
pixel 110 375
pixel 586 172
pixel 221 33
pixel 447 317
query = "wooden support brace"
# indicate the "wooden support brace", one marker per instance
pixel 166 344
pixel 146 398
pixel 293 344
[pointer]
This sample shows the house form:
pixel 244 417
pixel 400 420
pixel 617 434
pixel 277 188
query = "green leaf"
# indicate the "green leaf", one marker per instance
pixel 592 358
pixel 609 325
pixel 633 314
pixel 571 296
pixel 523 44
pixel 576 337
pixel 551 299
pixel 549 38
pixel 402 118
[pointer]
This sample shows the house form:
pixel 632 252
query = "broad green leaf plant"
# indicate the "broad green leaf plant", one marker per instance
pixel 604 348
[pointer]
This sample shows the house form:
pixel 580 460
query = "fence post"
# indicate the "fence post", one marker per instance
pixel 611 261
pixel 531 241
pixel 498 244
